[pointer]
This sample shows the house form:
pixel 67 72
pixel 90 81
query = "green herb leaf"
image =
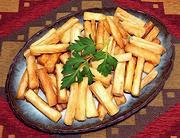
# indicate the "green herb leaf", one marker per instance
pixel 109 62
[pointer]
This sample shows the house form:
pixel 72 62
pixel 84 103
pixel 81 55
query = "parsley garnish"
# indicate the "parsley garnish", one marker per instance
pixel 77 66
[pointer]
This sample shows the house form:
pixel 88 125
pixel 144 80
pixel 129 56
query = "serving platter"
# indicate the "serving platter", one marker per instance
pixel 29 115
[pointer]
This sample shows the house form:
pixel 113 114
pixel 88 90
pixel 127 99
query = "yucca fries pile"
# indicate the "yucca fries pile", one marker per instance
pixel 129 41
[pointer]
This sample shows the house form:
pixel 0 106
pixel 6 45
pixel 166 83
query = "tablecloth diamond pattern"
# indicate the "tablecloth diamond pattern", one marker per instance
pixel 10 44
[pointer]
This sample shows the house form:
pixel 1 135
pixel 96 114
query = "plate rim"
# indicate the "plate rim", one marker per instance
pixel 100 126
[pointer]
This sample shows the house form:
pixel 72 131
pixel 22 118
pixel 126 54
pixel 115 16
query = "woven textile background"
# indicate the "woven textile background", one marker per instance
pixel 20 19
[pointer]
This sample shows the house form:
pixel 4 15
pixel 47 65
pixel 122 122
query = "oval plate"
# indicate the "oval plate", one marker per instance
pixel 35 119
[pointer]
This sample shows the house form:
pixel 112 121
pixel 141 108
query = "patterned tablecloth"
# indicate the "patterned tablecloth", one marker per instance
pixel 20 19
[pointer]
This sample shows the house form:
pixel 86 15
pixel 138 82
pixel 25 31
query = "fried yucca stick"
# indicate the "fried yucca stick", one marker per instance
pixel 66 26
pixel 64 57
pixel 120 100
pixel 148 27
pixel 109 45
pixel 148 67
pixel 93 16
pixel 99 77
pixel 80 114
pixel 118 81
pixel 148 78
pixel 156 40
pixel 50 64
pixel 27 53
pixel 45 49
pixel 115 32
pixel 140 52
pixel 33 81
pixel 47 86
pixel 113 48
pixel 153 47
pixel 106 26
pixel 23 84
pixel 95 64
pixel 72 103
pixel 129 74
pixel 133 29
pixel 42 59
pixel 76 31
pixel 118 50
pixel 137 77
pixel 61 107
pixel 39 66
pixel 54 82
pixel 42 106
pixel 152 34
pixel 128 17
pixel 91 110
pixel 93 25
pixel 66 37
pixel 101 109
pixel 43 38
pixel 100 35
pixel 106 37
pixel 123 57
pixel 62 93
pixel 120 28
pixel 104 98
pixel 87 28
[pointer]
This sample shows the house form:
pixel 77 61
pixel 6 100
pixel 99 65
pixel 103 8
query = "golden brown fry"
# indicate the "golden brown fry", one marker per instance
pixel 118 82
pixel 120 100
pixel 152 34
pixel 54 82
pixel 113 48
pixel 100 35
pixel 109 45
pixel 148 27
pixel 62 93
pixel 50 64
pixel 64 57
pixel 118 50
pixel 33 81
pixel 43 38
pixel 156 40
pixel 93 25
pixel 123 57
pixel 148 78
pixel 42 106
pixel 153 47
pixel 99 77
pixel 128 17
pixel 67 25
pixel 27 53
pixel 53 39
pixel 87 28
pixel 104 98
pixel 76 31
pixel 39 66
pixel 137 77
pixel 66 37
pixel 47 86
pixel 129 74
pixel 61 107
pixel 91 110
pixel 115 32
pixel 80 114
pixel 42 59
pixel 148 67
pixel 133 28
pixel 101 109
pixel 45 49
pixel 140 52
pixel 107 27
pixel 93 16
pixel 120 28
pixel 71 106
pixel 23 84
pixel 95 64
pixel 106 37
